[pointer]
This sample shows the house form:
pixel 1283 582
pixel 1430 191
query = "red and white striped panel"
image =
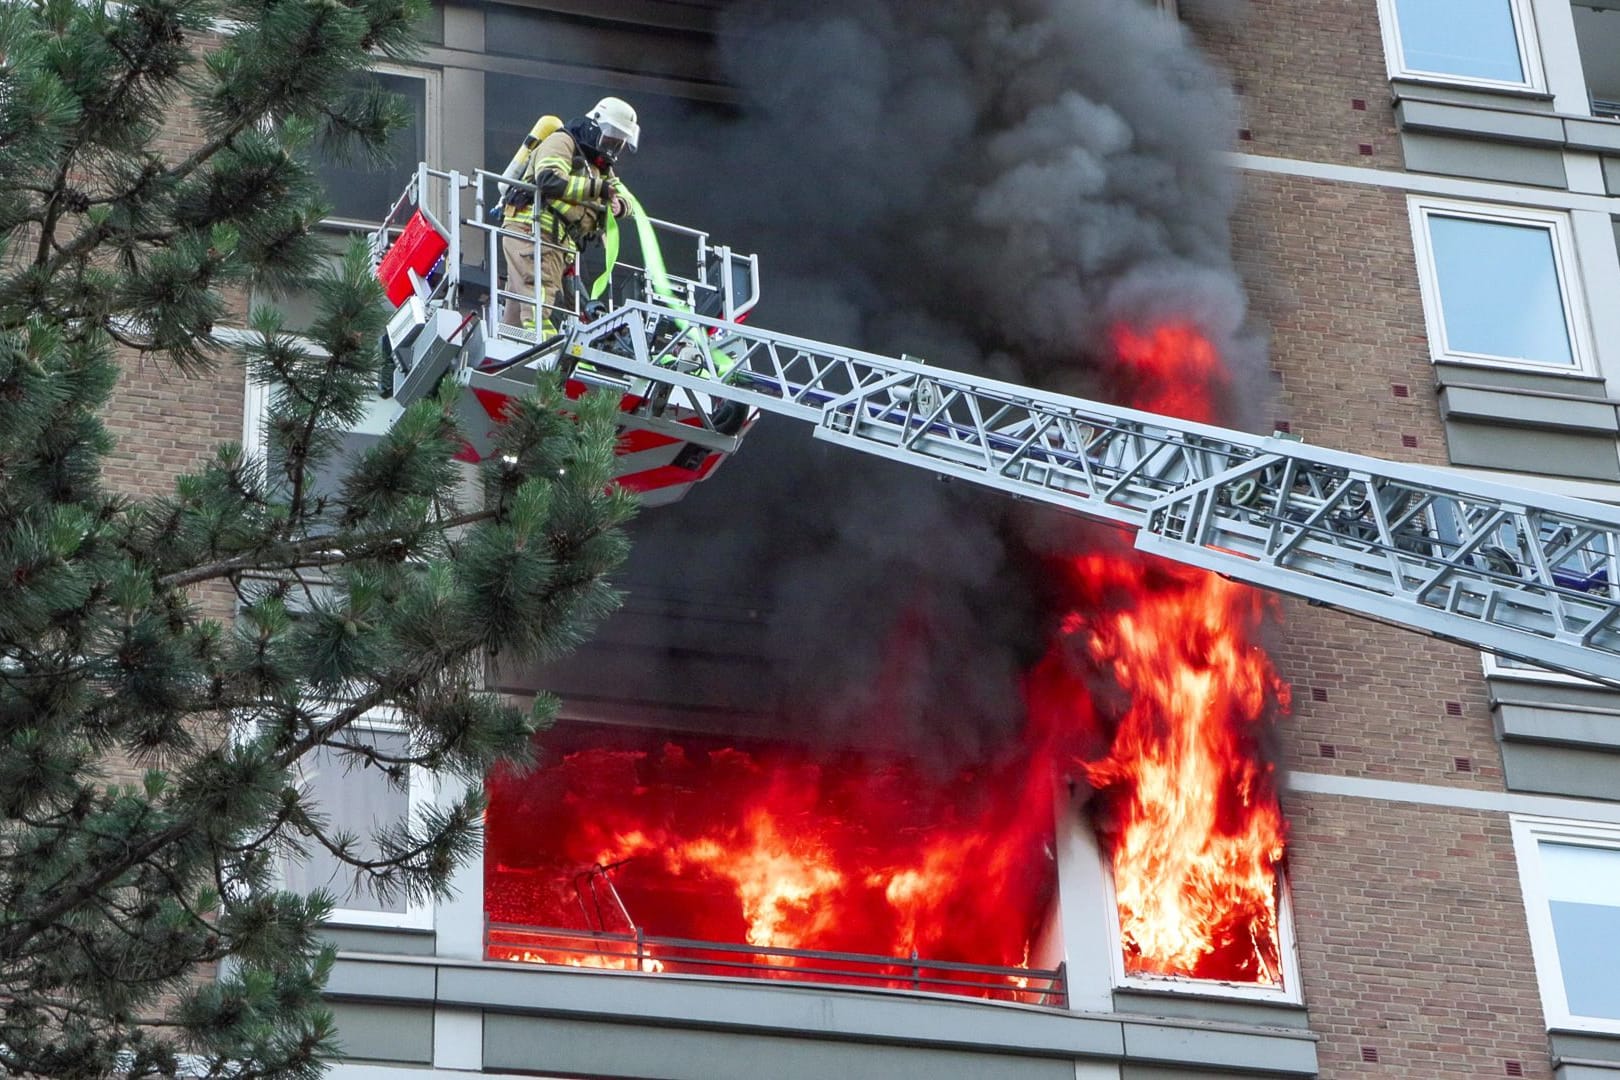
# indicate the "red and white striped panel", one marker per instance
pixel 660 467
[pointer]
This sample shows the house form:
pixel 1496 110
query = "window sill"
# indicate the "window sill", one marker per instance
pixel 1458 91
pixel 1470 363
pixel 1194 1004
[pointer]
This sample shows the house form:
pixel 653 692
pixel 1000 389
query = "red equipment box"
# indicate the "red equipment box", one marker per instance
pixel 419 246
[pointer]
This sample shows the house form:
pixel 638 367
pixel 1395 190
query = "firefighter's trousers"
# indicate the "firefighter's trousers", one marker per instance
pixel 554 262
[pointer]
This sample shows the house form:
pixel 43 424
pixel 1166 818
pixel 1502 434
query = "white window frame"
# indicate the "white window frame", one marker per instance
pixel 1528 833
pixel 1524 31
pixel 1566 267
pixel 1287 950
pixel 421 783
pixel 1495 669
pixel 418 913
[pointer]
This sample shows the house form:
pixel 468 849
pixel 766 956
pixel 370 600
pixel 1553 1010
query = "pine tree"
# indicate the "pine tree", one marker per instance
pixel 388 587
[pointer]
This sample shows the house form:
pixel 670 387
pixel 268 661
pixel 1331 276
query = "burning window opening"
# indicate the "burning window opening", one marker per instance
pixel 636 850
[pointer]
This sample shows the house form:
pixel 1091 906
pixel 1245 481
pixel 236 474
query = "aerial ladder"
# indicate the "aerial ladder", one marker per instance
pixel 1520 573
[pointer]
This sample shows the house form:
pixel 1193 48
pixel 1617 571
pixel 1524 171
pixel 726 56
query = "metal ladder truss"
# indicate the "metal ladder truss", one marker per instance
pixel 1524 574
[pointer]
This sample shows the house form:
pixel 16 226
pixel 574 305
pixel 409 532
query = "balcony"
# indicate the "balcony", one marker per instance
pixel 641 952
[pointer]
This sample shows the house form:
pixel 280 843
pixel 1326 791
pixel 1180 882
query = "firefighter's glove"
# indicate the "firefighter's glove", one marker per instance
pixel 611 199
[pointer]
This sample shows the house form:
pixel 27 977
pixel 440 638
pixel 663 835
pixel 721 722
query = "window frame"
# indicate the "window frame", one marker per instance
pixel 1524 32
pixel 432 133
pixel 1566 270
pixel 1495 669
pixel 418 913
pixel 1287 949
pixel 1528 834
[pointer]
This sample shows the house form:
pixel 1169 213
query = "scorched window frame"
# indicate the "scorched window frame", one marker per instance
pixel 1287 951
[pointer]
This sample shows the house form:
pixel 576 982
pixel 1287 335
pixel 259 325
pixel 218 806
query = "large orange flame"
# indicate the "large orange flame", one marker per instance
pixel 1155 693
pixel 1187 799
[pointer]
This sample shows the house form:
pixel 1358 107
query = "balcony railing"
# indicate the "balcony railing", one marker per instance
pixel 681 956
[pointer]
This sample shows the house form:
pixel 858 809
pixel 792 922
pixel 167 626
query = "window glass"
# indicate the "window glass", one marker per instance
pixel 1499 289
pixel 1471 38
pixel 361 190
pixel 431 28
pixel 357 799
pixel 1597 34
pixel 1583 894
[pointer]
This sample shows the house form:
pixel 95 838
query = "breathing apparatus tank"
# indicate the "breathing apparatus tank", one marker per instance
pixel 542 130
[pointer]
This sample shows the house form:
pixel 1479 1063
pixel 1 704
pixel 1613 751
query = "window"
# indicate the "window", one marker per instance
pixel 1281 983
pixel 358 798
pixel 359 190
pixel 1571 877
pixel 1479 42
pixel 1597 35
pixel 1498 286
pixel 1503 667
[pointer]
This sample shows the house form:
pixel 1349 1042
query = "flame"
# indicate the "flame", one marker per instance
pixel 767 847
pixel 1154 692
pixel 1187 800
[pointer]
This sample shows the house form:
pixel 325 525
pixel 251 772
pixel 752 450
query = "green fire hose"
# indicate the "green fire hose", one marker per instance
pixel 653 255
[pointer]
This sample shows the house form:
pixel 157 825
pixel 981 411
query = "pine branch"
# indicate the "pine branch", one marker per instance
pixel 312 554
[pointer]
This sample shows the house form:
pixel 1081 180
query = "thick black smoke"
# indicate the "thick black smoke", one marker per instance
pixel 989 187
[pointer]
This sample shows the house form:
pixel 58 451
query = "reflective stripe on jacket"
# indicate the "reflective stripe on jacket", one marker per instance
pixel 576 208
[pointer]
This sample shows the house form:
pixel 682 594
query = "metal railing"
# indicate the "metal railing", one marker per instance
pixel 642 952
pixel 719 281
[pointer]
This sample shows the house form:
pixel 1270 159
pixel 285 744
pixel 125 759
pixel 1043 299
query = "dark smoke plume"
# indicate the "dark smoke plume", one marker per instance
pixel 989 187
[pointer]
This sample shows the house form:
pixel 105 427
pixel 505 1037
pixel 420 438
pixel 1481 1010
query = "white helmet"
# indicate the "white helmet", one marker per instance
pixel 616 126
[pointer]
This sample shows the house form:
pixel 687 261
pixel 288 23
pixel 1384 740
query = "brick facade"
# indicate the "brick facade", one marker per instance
pixel 1413 942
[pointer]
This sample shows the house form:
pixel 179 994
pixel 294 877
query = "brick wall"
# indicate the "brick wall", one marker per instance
pixel 1412 941
pixel 1332 275
pixel 1299 68
pixel 1412 937
pixel 165 423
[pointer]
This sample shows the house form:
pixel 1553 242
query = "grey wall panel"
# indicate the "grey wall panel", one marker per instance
pixel 1560 770
pixel 1611 175
pixel 1157 1072
pixel 1192 1007
pixel 1498 124
pixel 1513 163
pixel 616 1050
pixel 1495 446
pixel 1586 1071
pixel 1518 100
pixel 1473 377
pixel 1603 135
pixel 379 979
pixel 1528 410
pixel 1585 1047
pixel 793 1010
pixel 392 942
pixel 1220 1049
pixel 396 1033
pixel 1580 727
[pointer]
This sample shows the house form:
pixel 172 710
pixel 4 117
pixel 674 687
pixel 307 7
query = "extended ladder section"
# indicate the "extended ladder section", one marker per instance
pixel 1523 574
pixel 1520 573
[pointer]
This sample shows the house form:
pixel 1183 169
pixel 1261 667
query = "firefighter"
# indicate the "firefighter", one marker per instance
pixel 572 170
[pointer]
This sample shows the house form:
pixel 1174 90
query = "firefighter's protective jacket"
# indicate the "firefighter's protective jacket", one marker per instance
pixel 573 193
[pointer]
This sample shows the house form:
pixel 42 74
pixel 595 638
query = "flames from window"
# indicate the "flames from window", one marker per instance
pixel 1155 696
